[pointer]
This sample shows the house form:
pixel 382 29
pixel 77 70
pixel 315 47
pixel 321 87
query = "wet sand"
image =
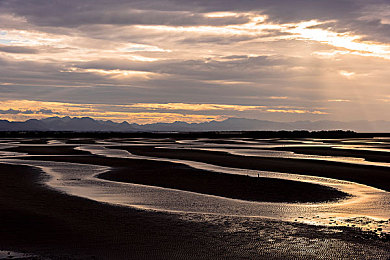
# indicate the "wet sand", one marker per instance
pixel 42 221
pixel 374 176
pixel 47 150
pixel 37 220
pixel 373 156
pixel 183 177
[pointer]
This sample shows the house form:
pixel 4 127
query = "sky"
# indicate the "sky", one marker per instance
pixel 195 61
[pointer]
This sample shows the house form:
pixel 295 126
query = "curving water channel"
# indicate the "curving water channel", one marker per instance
pixel 368 208
pixel 367 203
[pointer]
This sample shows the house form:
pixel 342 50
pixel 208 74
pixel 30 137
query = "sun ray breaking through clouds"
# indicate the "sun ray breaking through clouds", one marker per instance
pixel 257 61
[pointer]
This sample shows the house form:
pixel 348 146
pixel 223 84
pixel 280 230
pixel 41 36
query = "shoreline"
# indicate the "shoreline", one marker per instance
pixel 374 156
pixel 374 176
pixel 45 222
pixel 48 223
pixel 183 177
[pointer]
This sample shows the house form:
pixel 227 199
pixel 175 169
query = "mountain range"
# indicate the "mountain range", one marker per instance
pixel 86 124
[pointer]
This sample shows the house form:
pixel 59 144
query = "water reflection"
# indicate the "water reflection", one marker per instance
pixel 369 208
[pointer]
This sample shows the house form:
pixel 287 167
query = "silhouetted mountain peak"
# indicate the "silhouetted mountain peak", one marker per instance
pixel 32 120
pixel 87 124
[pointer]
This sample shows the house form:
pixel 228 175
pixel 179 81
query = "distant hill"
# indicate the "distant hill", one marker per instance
pixel 86 124
pixel 243 124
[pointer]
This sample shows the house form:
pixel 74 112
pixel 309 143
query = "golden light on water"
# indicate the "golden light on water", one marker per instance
pixel 290 92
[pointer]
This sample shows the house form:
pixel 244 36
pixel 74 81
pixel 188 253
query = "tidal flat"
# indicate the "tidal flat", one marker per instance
pixel 209 198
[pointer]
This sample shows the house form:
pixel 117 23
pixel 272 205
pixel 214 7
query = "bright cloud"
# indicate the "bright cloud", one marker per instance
pixel 144 63
pixel 138 112
pixel 346 74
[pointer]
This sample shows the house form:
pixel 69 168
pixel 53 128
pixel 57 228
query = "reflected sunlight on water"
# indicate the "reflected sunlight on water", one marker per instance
pixel 368 208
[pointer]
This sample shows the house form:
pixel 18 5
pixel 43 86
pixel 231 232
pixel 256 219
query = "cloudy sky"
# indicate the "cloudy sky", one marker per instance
pixel 166 60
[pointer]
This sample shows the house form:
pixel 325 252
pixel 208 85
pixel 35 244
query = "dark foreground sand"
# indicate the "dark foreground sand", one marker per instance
pixel 374 176
pixel 47 150
pixel 179 176
pixel 41 221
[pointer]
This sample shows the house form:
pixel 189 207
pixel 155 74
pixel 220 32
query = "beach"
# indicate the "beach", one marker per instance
pixel 49 223
pixel 41 221
pixel 375 176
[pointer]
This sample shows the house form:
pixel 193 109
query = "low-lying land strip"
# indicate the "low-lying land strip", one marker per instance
pixel 374 176
pixel 374 156
pixel 183 177
pixel 38 220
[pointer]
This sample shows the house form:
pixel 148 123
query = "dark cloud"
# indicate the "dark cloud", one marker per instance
pixel 202 80
pixel 80 44
pixel 18 49
pixel 28 111
pixel 73 13
pixel 346 13
pixel 371 29
pixel 118 11
pixel 235 67
pixel 10 111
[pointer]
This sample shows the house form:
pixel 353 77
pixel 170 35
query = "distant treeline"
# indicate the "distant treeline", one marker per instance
pixel 181 135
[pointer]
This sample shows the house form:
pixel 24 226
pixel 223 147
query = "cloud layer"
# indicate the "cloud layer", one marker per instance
pixel 166 60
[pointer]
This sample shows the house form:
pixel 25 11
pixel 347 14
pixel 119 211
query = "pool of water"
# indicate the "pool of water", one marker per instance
pixel 368 208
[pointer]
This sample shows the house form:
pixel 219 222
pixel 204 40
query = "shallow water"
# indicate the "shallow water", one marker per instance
pixel 288 154
pixel 367 202
pixel 368 208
